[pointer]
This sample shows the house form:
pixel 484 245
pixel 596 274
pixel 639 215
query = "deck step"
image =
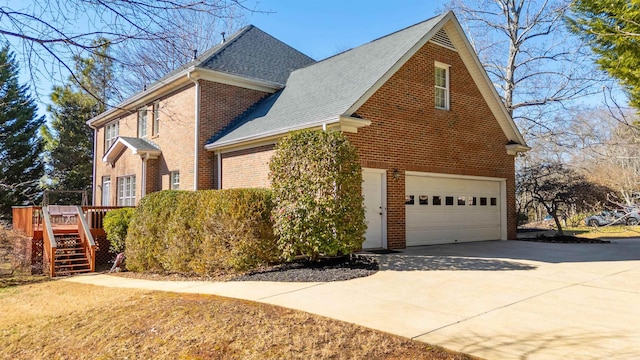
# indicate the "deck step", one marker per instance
pixel 70 272
pixel 72 266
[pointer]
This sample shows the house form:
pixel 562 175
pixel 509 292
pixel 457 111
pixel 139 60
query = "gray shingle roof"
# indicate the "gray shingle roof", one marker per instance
pixel 138 144
pixel 326 89
pixel 251 53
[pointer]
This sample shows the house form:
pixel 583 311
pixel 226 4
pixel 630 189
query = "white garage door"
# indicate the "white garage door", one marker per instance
pixel 445 210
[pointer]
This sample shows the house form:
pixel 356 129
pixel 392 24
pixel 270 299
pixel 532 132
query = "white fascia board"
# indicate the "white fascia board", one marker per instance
pixel 482 81
pixel 341 123
pixel 178 80
pixel 514 149
pixel 120 145
pixel 142 97
pixel 417 46
pixel 235 80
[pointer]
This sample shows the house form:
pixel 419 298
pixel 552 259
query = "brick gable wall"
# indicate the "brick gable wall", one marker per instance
pixel 409 134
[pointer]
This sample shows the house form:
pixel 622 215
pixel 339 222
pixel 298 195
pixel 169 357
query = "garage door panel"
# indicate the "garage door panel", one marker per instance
pixel 460 222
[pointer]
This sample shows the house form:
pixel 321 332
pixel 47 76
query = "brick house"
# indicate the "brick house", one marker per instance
pixel 436 144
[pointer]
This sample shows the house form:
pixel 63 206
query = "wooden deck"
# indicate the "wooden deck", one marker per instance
pixel 85 223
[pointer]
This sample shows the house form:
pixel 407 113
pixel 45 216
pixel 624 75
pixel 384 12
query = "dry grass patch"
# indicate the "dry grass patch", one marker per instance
pixel 605 232
pixel 66 320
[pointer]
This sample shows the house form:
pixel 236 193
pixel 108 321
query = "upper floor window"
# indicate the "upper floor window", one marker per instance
pixel 110 135
pixel 175 180
pixel 442 86
pixel 142 123
pixel 156 119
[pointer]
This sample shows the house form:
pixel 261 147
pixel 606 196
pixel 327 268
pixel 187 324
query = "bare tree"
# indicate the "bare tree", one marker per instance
pixel 535 63
pixel 52 33
pixel 558 189
pixel 144 62
pixel 608 152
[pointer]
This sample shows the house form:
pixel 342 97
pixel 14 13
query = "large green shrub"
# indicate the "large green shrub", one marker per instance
pixel 202 232
pixel 317 187
pixel 116 223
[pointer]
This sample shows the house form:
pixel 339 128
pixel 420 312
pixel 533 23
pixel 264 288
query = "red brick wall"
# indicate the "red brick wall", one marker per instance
pixel 409 134
pixel 247 168
pixel 175 139
pixel 219 104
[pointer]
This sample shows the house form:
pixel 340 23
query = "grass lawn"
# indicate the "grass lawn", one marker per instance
pixel 62 320
pixel 604 232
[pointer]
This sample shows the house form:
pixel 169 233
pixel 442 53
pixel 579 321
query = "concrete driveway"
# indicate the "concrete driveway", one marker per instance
pixel 496 300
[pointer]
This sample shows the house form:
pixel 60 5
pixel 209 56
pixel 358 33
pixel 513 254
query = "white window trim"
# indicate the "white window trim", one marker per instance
pixel 172 184
pixel 106 183
pixel 144 122
pixel 155 125
pixel 108 141
pixel 447 88
pixel 123 198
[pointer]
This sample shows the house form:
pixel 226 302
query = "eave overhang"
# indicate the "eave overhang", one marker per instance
pixel 146 151
pixel 177 81
pixel 339 123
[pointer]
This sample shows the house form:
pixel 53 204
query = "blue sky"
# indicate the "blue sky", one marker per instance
pixel 323 28
pixel 317 28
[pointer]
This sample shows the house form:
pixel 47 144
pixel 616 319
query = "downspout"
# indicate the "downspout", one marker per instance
pixel 143 185
pixel 196 134
pixel 219 163
pixel 95 153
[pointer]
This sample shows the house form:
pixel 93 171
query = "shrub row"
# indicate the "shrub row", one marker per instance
pixel 202 232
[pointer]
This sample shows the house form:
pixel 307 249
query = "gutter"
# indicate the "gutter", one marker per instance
pixel 344 123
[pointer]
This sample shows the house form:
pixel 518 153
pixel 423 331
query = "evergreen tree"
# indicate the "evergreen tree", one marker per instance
pixel 68 139
pixel 21 167
pixel 612 30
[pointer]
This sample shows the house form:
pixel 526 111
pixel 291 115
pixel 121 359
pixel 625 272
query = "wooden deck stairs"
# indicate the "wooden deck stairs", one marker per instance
pixel 70 256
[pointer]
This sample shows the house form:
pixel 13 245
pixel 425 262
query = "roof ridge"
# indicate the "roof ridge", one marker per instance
pixel 216 50
pixel 381 37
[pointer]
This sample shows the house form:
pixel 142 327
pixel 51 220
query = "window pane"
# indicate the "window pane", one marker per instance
pixel 494 201
pixel 462 201
pixel 441 77
pixel 156 118
pixel 449 200
pixel 440 98
pixel 409 200
pixel 483 201
pixel 142 123
pixel 423 200
pixel 437 200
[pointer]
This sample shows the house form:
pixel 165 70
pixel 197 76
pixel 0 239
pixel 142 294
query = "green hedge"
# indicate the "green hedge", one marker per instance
pixel 317 187
pixel 202 232
pixel 116 224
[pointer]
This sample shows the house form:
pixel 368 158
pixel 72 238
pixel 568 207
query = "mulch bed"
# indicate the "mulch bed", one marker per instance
pixel 566 239
pixel 323 270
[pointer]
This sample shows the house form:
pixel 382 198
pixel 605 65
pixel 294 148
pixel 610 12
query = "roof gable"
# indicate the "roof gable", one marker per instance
pixel 324 91
pixel 334 88
pixel 137 146
pixel 250 57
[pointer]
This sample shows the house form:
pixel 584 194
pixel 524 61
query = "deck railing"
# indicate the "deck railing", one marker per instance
pixel 30 220
pixel 88 243
pixel 50 245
